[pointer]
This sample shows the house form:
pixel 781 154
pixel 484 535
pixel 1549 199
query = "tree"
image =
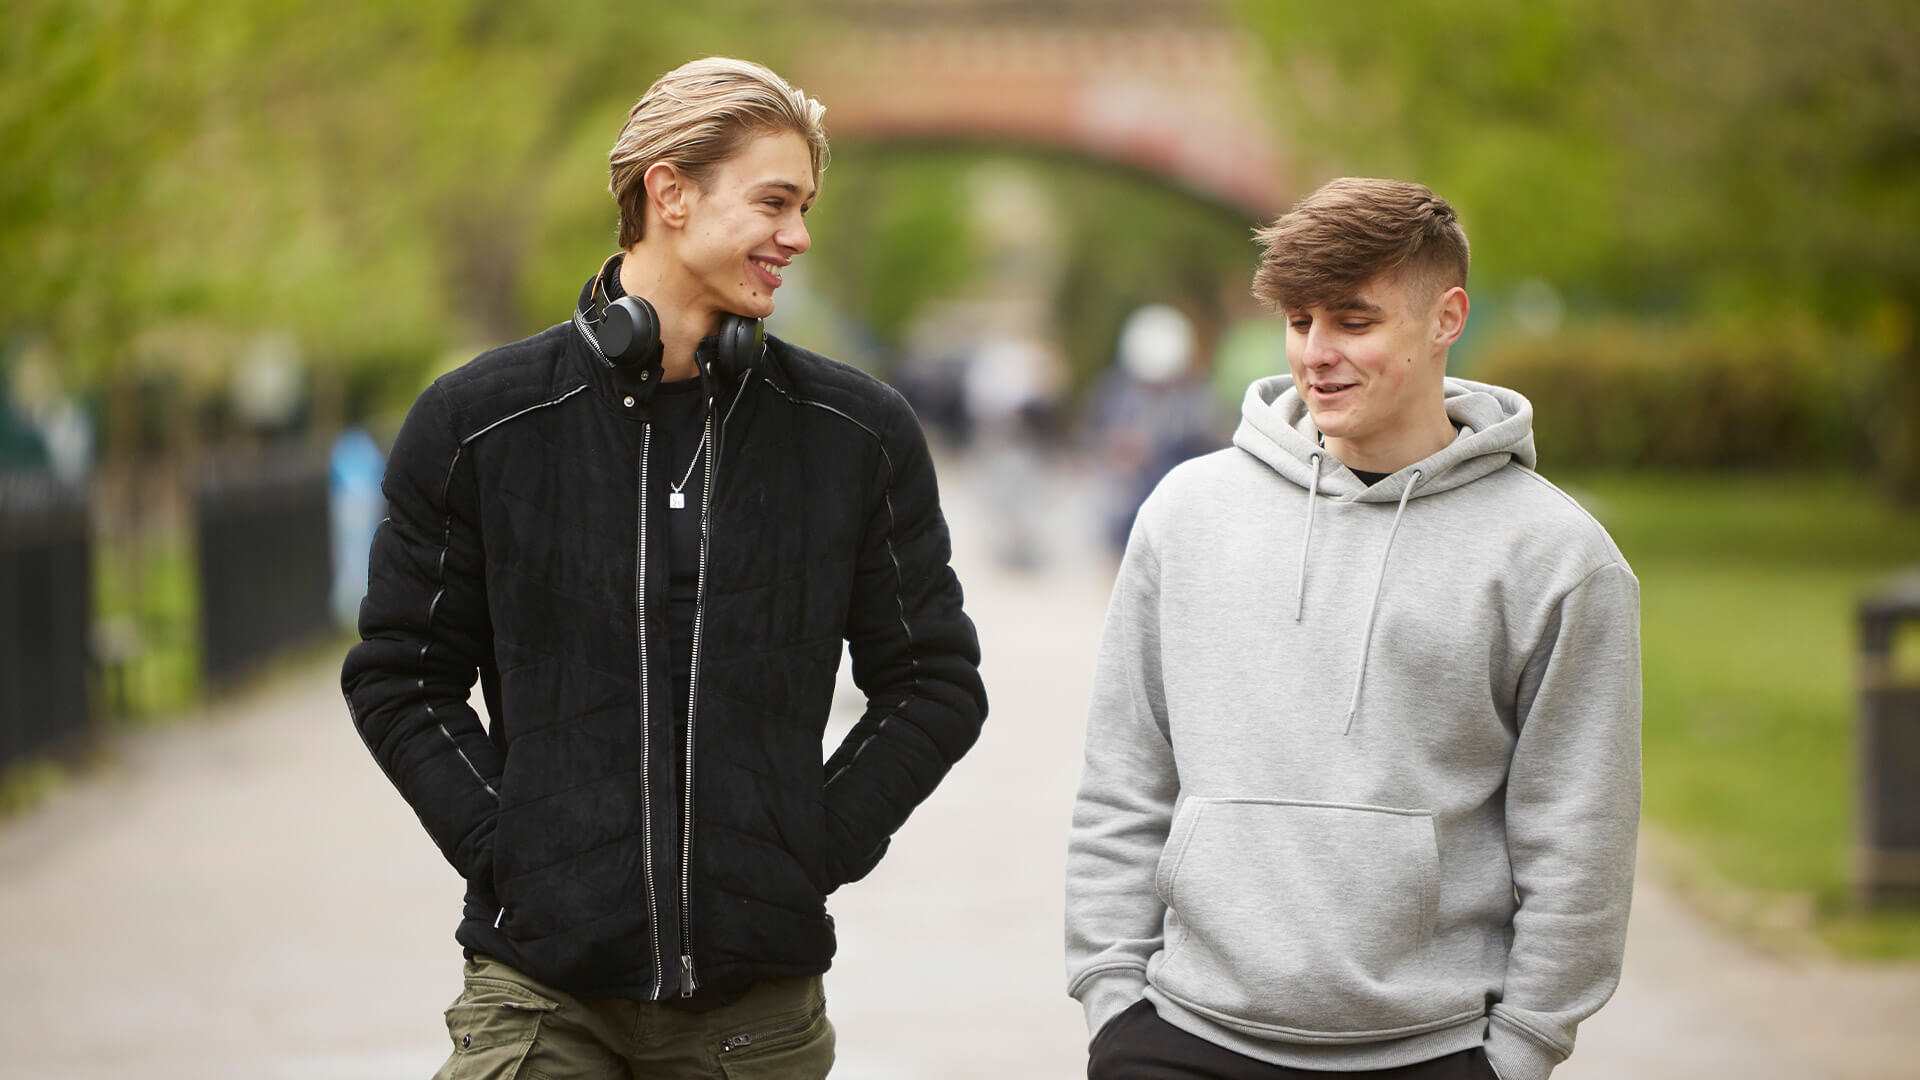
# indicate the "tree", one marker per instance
pixel 1753 157
pixel 376 178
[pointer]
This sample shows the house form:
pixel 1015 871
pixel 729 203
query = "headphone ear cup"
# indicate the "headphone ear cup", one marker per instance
pixel 741 342
pixel 629 333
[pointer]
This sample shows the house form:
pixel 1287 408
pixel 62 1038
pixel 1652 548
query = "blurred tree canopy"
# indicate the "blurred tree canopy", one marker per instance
pixel 892 236
pixel 389 182
pixel 1751 159
pixel 375 178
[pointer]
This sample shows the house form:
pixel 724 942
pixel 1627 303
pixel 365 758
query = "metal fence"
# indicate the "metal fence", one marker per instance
pixel 265 562
pixel 46 605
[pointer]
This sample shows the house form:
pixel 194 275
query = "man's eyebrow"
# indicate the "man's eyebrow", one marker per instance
pixel 789 187
pixel 1357 305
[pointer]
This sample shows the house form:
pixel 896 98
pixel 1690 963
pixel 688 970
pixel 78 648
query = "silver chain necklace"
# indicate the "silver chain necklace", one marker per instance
pixel 676 498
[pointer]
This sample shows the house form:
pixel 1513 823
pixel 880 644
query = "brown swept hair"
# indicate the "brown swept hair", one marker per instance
pixel 1352 230
pixel 697 116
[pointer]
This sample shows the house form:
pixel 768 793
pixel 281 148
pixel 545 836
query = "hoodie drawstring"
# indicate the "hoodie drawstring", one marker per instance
pixel 1306 541
pixel 1379 585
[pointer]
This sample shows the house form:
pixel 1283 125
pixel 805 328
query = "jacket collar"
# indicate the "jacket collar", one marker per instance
pixel 615 385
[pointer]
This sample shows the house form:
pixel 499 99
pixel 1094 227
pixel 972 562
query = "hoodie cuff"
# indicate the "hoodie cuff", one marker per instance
pixel 1515 1055
pixel 1109 994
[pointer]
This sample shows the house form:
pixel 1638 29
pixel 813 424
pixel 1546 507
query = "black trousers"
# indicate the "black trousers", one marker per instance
pixel 1138 1045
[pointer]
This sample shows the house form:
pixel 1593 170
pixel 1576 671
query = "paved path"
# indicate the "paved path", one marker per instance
pixel 247 897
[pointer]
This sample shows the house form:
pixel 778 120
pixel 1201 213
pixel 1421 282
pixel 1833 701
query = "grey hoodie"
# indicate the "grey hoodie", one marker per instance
pixel 1362 774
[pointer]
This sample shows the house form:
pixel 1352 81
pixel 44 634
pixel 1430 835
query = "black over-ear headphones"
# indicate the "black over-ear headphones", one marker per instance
pixel 628 334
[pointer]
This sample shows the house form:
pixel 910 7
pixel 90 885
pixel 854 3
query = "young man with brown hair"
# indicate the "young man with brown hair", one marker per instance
pixel 646 532
pixel 1362 765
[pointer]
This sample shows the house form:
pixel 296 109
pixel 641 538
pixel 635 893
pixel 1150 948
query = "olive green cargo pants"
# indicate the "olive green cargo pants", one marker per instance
pixel 505 1025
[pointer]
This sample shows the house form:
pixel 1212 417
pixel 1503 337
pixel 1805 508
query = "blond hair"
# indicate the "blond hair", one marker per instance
pixel 1353 230
pixel 695 117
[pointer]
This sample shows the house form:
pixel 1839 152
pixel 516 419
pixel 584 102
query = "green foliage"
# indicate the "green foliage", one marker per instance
pixel 27 784
pixel 1696 156
pixel 1639 149
pixel 1619 394
pixel 369 177
pixel 1132 242
pixel 891 234
pixel 1748 587
pixel 90 95
pixel 146 589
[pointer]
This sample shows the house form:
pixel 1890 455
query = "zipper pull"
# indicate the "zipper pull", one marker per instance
pixel 736 1043
pixel 687 982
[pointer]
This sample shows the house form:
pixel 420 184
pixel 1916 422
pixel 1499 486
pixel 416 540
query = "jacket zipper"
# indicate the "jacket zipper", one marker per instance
pixel 688 982
pixel 646 787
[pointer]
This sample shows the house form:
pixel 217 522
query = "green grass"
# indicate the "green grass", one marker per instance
pixel 24 785
pixel 152 586
pixel 1748 591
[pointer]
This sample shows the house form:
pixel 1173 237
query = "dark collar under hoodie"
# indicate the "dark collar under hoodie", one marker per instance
pixel 1362 762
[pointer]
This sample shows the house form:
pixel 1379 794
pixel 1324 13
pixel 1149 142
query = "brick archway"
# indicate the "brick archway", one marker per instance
pixel 1166 89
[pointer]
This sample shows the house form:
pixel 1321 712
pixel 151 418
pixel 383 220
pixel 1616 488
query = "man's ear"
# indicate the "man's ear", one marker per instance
pixel 666 193
pixel 1450 317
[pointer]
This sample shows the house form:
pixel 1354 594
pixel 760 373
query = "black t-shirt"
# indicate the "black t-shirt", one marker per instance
pixel 1367 478
pixel 678 412
pixel 679 424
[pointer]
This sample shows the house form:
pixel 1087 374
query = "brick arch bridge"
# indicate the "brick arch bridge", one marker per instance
pixel 1167 89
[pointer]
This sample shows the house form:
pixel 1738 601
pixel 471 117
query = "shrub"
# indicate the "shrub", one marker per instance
pixel 1613 394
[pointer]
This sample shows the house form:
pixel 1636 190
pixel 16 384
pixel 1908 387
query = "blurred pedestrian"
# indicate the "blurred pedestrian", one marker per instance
pixel 646 531
pixel 354 467
pixel 1149 413
pixel 1377 814
pixel 1012 389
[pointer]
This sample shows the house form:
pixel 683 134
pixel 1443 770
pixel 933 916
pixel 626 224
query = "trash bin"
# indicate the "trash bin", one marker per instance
pixel 1887 861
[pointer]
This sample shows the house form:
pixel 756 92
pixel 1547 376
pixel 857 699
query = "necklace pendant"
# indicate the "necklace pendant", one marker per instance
pixel 677 500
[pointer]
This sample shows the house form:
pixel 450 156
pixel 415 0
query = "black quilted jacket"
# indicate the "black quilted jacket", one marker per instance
pixel 517 548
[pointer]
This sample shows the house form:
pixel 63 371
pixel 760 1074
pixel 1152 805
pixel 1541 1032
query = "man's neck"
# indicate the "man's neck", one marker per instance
pixel 647 272
pixel 1396 448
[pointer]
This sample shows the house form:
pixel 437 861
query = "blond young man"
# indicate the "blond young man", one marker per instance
pixel 1362 765
pixel 646 532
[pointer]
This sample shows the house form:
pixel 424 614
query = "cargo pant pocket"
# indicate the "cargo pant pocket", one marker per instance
pixel 792 1047
pixel 493 1025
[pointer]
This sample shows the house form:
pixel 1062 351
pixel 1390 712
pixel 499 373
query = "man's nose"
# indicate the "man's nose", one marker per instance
pixel 1320 350
pixel 795 237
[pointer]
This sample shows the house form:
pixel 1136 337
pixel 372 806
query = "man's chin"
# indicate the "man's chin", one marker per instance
pixel 754 309
pixel 1334 424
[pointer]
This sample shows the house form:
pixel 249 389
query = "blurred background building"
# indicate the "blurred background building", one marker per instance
pixel 238 239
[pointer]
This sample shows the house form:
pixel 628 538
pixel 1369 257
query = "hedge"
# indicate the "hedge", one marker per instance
pixel 1613 395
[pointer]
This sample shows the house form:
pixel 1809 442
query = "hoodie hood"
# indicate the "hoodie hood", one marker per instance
pixel 1495 426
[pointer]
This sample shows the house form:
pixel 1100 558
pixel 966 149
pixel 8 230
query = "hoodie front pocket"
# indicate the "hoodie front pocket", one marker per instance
pixel 1308 920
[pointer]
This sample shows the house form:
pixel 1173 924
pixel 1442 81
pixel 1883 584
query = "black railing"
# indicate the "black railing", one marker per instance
pixel 265 561
pixel 46 608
